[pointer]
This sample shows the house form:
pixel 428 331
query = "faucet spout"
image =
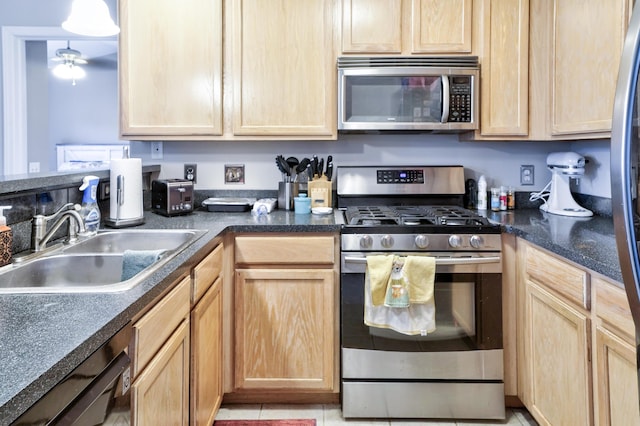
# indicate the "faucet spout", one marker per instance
pixel 40 235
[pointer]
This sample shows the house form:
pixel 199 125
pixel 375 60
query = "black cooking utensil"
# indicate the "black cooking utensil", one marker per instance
pixel 321 167
pixel 292 162
pixel 302 166
pixel 283 166
pixel 314 165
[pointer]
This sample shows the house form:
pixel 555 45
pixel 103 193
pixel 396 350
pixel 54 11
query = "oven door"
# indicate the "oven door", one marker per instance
pixel 468 307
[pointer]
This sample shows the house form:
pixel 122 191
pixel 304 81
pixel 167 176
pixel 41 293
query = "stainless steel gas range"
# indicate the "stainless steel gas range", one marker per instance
pixel 456 370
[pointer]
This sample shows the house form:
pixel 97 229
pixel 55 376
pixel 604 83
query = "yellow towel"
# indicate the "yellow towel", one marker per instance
pixel 420 273
pixel 379 271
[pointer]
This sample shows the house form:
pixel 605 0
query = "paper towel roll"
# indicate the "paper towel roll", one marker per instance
pixel 125 203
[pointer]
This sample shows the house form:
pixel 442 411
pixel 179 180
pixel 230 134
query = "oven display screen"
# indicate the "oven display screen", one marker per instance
pixel 400 176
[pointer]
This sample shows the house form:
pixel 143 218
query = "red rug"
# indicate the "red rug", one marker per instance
pixel 284 422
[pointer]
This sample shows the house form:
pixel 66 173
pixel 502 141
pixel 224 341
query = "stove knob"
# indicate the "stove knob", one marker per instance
pixel 422 241
pixel 455 241
pixel 386 241
pixel 476 241
pixel 366 241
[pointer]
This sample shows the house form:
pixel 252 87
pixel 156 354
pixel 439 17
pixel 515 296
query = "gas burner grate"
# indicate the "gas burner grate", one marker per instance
pixel 413 216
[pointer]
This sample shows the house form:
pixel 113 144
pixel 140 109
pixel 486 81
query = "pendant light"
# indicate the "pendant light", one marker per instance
pixel 68 68
pixel 90 18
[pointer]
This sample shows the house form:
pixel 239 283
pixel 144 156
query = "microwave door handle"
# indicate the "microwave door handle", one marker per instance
pixel 445 99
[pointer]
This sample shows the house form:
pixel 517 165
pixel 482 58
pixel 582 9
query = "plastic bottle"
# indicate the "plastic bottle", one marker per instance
pixel 90 211
pixel 495 199
pixel 482 193
pixel 503 198
pixel 6 239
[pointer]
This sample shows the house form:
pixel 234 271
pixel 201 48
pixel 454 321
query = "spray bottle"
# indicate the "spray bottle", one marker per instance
pixel 90 211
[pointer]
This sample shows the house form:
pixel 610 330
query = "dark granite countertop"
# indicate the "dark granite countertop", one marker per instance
pixel 589 242
pixel 44 337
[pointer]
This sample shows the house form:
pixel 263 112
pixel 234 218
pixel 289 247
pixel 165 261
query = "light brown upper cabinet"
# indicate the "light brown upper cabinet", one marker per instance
pixel 284 68
pixel 406 26
pixel 502 30
pixel 277 58
pixel 170 65
pixel 549 67
pixel 576 46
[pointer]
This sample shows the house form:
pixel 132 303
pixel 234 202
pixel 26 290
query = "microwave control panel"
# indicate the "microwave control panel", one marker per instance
pixel 460 88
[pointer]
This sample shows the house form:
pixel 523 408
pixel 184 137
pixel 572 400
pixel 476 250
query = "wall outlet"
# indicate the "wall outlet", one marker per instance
pixel 527 174
pixel 190 172
pixel 156 150
pixel 34 167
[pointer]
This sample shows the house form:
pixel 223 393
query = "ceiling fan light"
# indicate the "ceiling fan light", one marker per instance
pixel 90 18
pixel 68 71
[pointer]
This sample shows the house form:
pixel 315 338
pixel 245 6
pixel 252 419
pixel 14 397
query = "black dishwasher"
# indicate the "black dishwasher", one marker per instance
pixel 96 392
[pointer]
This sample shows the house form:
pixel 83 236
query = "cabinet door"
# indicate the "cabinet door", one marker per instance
pixel 441 26
pixel 617 379
pixel 170 64
pixel 283 69
pixel 285 329
pixel 576 48
pixel 558 362
pixel 372 26
pixel 505 68
pixel 585 63
pixel 160 395
pixel 206 356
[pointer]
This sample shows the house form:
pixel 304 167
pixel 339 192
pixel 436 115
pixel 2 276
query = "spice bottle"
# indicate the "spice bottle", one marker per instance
pixel 495 199
pixel 511 199
pixel 503 198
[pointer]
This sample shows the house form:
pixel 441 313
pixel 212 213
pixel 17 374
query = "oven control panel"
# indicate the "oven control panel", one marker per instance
pixel 394 176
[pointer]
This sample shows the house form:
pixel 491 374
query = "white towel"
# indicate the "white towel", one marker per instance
pixel 416 319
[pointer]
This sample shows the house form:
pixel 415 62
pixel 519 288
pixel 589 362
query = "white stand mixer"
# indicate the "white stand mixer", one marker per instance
pixel 564 166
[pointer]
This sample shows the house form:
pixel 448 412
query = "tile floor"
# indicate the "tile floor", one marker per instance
pixel 331 415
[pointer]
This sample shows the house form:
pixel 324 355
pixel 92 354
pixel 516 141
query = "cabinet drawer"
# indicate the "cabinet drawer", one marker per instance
pixel 206 273
pixel 155 327
pixel 612 306
pixel 558 276
pixel 285 250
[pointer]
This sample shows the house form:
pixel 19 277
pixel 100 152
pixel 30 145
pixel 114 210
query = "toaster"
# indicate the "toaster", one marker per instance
pixel 172 197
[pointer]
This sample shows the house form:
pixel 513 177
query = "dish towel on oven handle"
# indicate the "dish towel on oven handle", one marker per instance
pixel 416 319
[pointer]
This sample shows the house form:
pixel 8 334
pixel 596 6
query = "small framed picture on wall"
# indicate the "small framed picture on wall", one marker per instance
pixel 234 173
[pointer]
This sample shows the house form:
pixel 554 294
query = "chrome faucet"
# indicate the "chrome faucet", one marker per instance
pixel 40 235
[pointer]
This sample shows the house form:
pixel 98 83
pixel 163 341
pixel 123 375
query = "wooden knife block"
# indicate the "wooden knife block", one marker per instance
pixel 319 191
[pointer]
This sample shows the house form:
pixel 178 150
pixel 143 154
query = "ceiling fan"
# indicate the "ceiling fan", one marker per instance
pixel 68 68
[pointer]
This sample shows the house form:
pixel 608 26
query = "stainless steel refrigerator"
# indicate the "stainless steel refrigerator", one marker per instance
pixel 625 161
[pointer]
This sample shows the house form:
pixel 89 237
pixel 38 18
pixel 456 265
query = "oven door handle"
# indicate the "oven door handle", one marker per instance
pixel 439 260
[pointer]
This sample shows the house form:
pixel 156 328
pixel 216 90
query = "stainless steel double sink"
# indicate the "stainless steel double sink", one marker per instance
pixel 94 264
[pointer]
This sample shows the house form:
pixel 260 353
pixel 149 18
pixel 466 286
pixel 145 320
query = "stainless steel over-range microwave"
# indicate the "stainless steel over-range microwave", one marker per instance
pixel 408 93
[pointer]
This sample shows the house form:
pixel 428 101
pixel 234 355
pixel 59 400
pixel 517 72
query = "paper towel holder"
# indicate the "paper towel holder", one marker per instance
pixel 119 221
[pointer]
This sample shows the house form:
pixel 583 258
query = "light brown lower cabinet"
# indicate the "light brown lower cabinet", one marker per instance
pixel 615 374
pixel 206 356
pixel 177 351
pixel 285 315
pixel 575 343
pixel 160 387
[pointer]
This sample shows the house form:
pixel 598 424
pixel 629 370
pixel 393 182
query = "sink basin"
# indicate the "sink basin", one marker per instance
pixel 94 264
pixel 60 272
pixel 119 241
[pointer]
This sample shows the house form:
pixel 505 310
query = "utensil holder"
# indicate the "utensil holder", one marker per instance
pixel 320 192
pixel 287 191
